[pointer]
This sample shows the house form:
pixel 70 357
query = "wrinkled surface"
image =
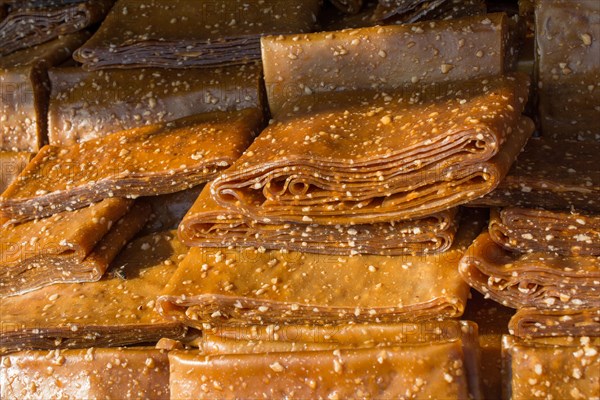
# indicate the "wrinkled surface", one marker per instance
pixel 147 161
pixel 557 368
pixel 29 26
pixel 529 230
pixel 11 165
pixel 364 361
pixel 531 322
pixel 406 11
pixel 209 225
pixel 365 158
pixel 104 373
pixel 542 280
pixel 185 33
pixel 382 57
pixel 117 310
pixel 551 174
pixel 86 105
pixel 236 286
pixel 72 246
pixel 568 68
pixel 24 80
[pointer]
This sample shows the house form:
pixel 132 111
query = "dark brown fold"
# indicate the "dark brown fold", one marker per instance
pixel 551 174
pixel 115 311
pixel 30 25
pixel 408 11
pixel 168 210
pixel 538 230
pixel 363 361
pixel 531 322
pixel 236 286
pixel 348 6
pixel 543 280
pixel 568 68
pixel 383 57
pixel 186 33
pixel 94 373
pixel 11 165
pixel 147 161
pixel 72 246
pixel 25 92
pixel 557 368
pixel 87 105
pixel 209 225
pixel 374 157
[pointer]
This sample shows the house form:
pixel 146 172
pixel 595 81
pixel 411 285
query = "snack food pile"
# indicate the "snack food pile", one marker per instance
pixel 299 199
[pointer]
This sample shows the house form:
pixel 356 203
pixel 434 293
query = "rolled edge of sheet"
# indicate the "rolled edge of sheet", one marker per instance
pixel 531 322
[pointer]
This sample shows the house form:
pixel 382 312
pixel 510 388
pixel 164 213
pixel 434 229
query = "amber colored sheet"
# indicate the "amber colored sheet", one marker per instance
pixel 382 57
pixel 185 33
pixel 492 320
pixel 147 161
pixel 366 158
pixel 551 174
pixel 370 360
pixel 94 373
pixel 239 286
pixel 72 246
pixel 25 91
pixel 531 322
pixel 117 310
pixel 209 225
pixel 11 165
pixel 29 25
pixel 561 232
pixel 568 68
pixel 542 280
pixel 87 105
pixel 557 368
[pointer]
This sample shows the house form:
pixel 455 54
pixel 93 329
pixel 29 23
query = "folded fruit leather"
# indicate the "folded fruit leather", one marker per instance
pixel 551 368
pixel 408 11
pixel 537 279
pixel 157 159
pixel 26 88
pixel 28 25
pixel 185 33
pixel 363 361
pixel 568 68
pixel 560 232
pixel 237 286
pixel 492 320
pixel 531 322
pixel 11 165
pixel 71 246
pixel 87 105
pixel 115 311
pixel 383 57
pixel 551 174
pixel 94 373
pixel 369 158
pixel 209 225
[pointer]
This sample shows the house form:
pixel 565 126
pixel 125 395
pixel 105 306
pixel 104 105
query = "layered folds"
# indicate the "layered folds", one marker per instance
pixel 378 157
pixel 235 286
pixel 87 105
pixel 539 230
pixel 209 225
pixel 551 174
pixel 11 165
pixel 559 368
pixel 25 91
pixel 349 361
pixel 185 33
pixel 71 246
pixel 86 373
pixel 115 311
pixel 157 159
pixel 531 322
pixel 30 24
pixel 543 280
